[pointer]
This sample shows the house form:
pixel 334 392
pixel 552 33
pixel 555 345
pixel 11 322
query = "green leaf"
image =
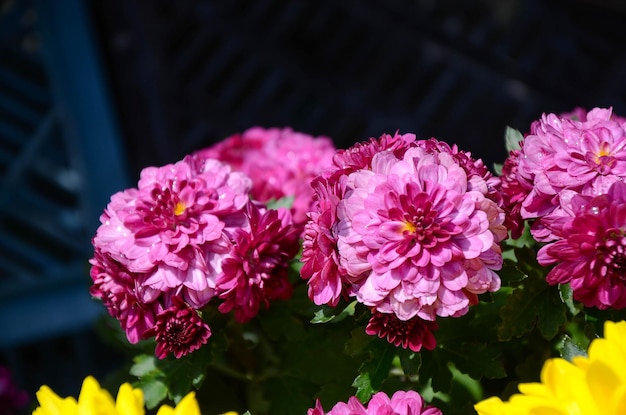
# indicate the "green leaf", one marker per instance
pixel 567 296
pixel 497 168
pixel 326 314
pixel 475 359
pixel 512 138
pixel 374 371
pixel 410 362
pixel 284 202
pixel 435 369
pixel 154 390
pixel 359 341
pixel 570 349
pixel 144 365
pixel 510 274
pixel 532 304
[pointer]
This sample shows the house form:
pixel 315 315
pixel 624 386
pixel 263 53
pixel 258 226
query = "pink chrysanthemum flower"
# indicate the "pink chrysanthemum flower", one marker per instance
pixel 255 271
pixel 280 161
pixel 414 239
pixel 175 225
pixel 400 403
pixel 179 330
pixel 124 295
pixel 590 253
pixel 322 268
pixel 412 334
pixel 585 154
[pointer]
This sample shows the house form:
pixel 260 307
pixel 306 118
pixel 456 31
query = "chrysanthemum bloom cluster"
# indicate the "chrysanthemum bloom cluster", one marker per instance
pixel 188 233
pixel 565 163
pixel 410 228
pixel 590 253
pixel 12 398
pixel 401 403
pixel 281 162
pixel 577 153
pixel 589 385
pixel 95 400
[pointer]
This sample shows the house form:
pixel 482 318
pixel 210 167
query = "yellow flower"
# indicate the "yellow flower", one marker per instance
pixel 590 385
pixel 93 400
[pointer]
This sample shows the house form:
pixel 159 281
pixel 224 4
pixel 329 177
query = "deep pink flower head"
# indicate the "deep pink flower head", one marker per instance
pixel 280 161
pixel 174 225
pixel 412 334
pixel 590 253
pixel 12 399
pixel 582 153
pixel 401 403
pixel 124 294
pixel 256 270
pixel 321 266
pixel 514 190
pixel 415 239
pixel 179 330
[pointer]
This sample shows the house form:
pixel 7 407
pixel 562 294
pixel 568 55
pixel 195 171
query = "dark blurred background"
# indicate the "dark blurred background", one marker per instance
pixel 92 91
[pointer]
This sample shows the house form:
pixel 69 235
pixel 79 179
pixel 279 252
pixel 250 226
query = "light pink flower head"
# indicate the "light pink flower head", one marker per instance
pixel 583 153
pixel 400 403
pixel 590 253
pixel 280 161
pixel 322 268
pixel 410 228
pixel 174 226
pixel 414 238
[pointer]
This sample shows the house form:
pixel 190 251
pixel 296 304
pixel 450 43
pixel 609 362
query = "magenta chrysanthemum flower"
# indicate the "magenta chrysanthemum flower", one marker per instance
pixel 255 271
pixel 281 162
pixel 175 225
pixel 319 246
pixel 583 154
pixel 124 295
pixel 12 399
pixel 179 330
pixel 405 226
pixel 414 240
pixel 412 334
pixel 401 403
pixel 590 253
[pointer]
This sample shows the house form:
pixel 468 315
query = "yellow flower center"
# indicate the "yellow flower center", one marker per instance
pixel 179 209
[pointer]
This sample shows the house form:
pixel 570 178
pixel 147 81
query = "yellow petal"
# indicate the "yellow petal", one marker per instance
pixel 188 405
pixel 491 406
pixel 93 400
pixel 165 410
pixel 52 404
pixel 129 401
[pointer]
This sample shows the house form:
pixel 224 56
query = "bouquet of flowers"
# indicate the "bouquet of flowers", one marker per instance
pixel 274 274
